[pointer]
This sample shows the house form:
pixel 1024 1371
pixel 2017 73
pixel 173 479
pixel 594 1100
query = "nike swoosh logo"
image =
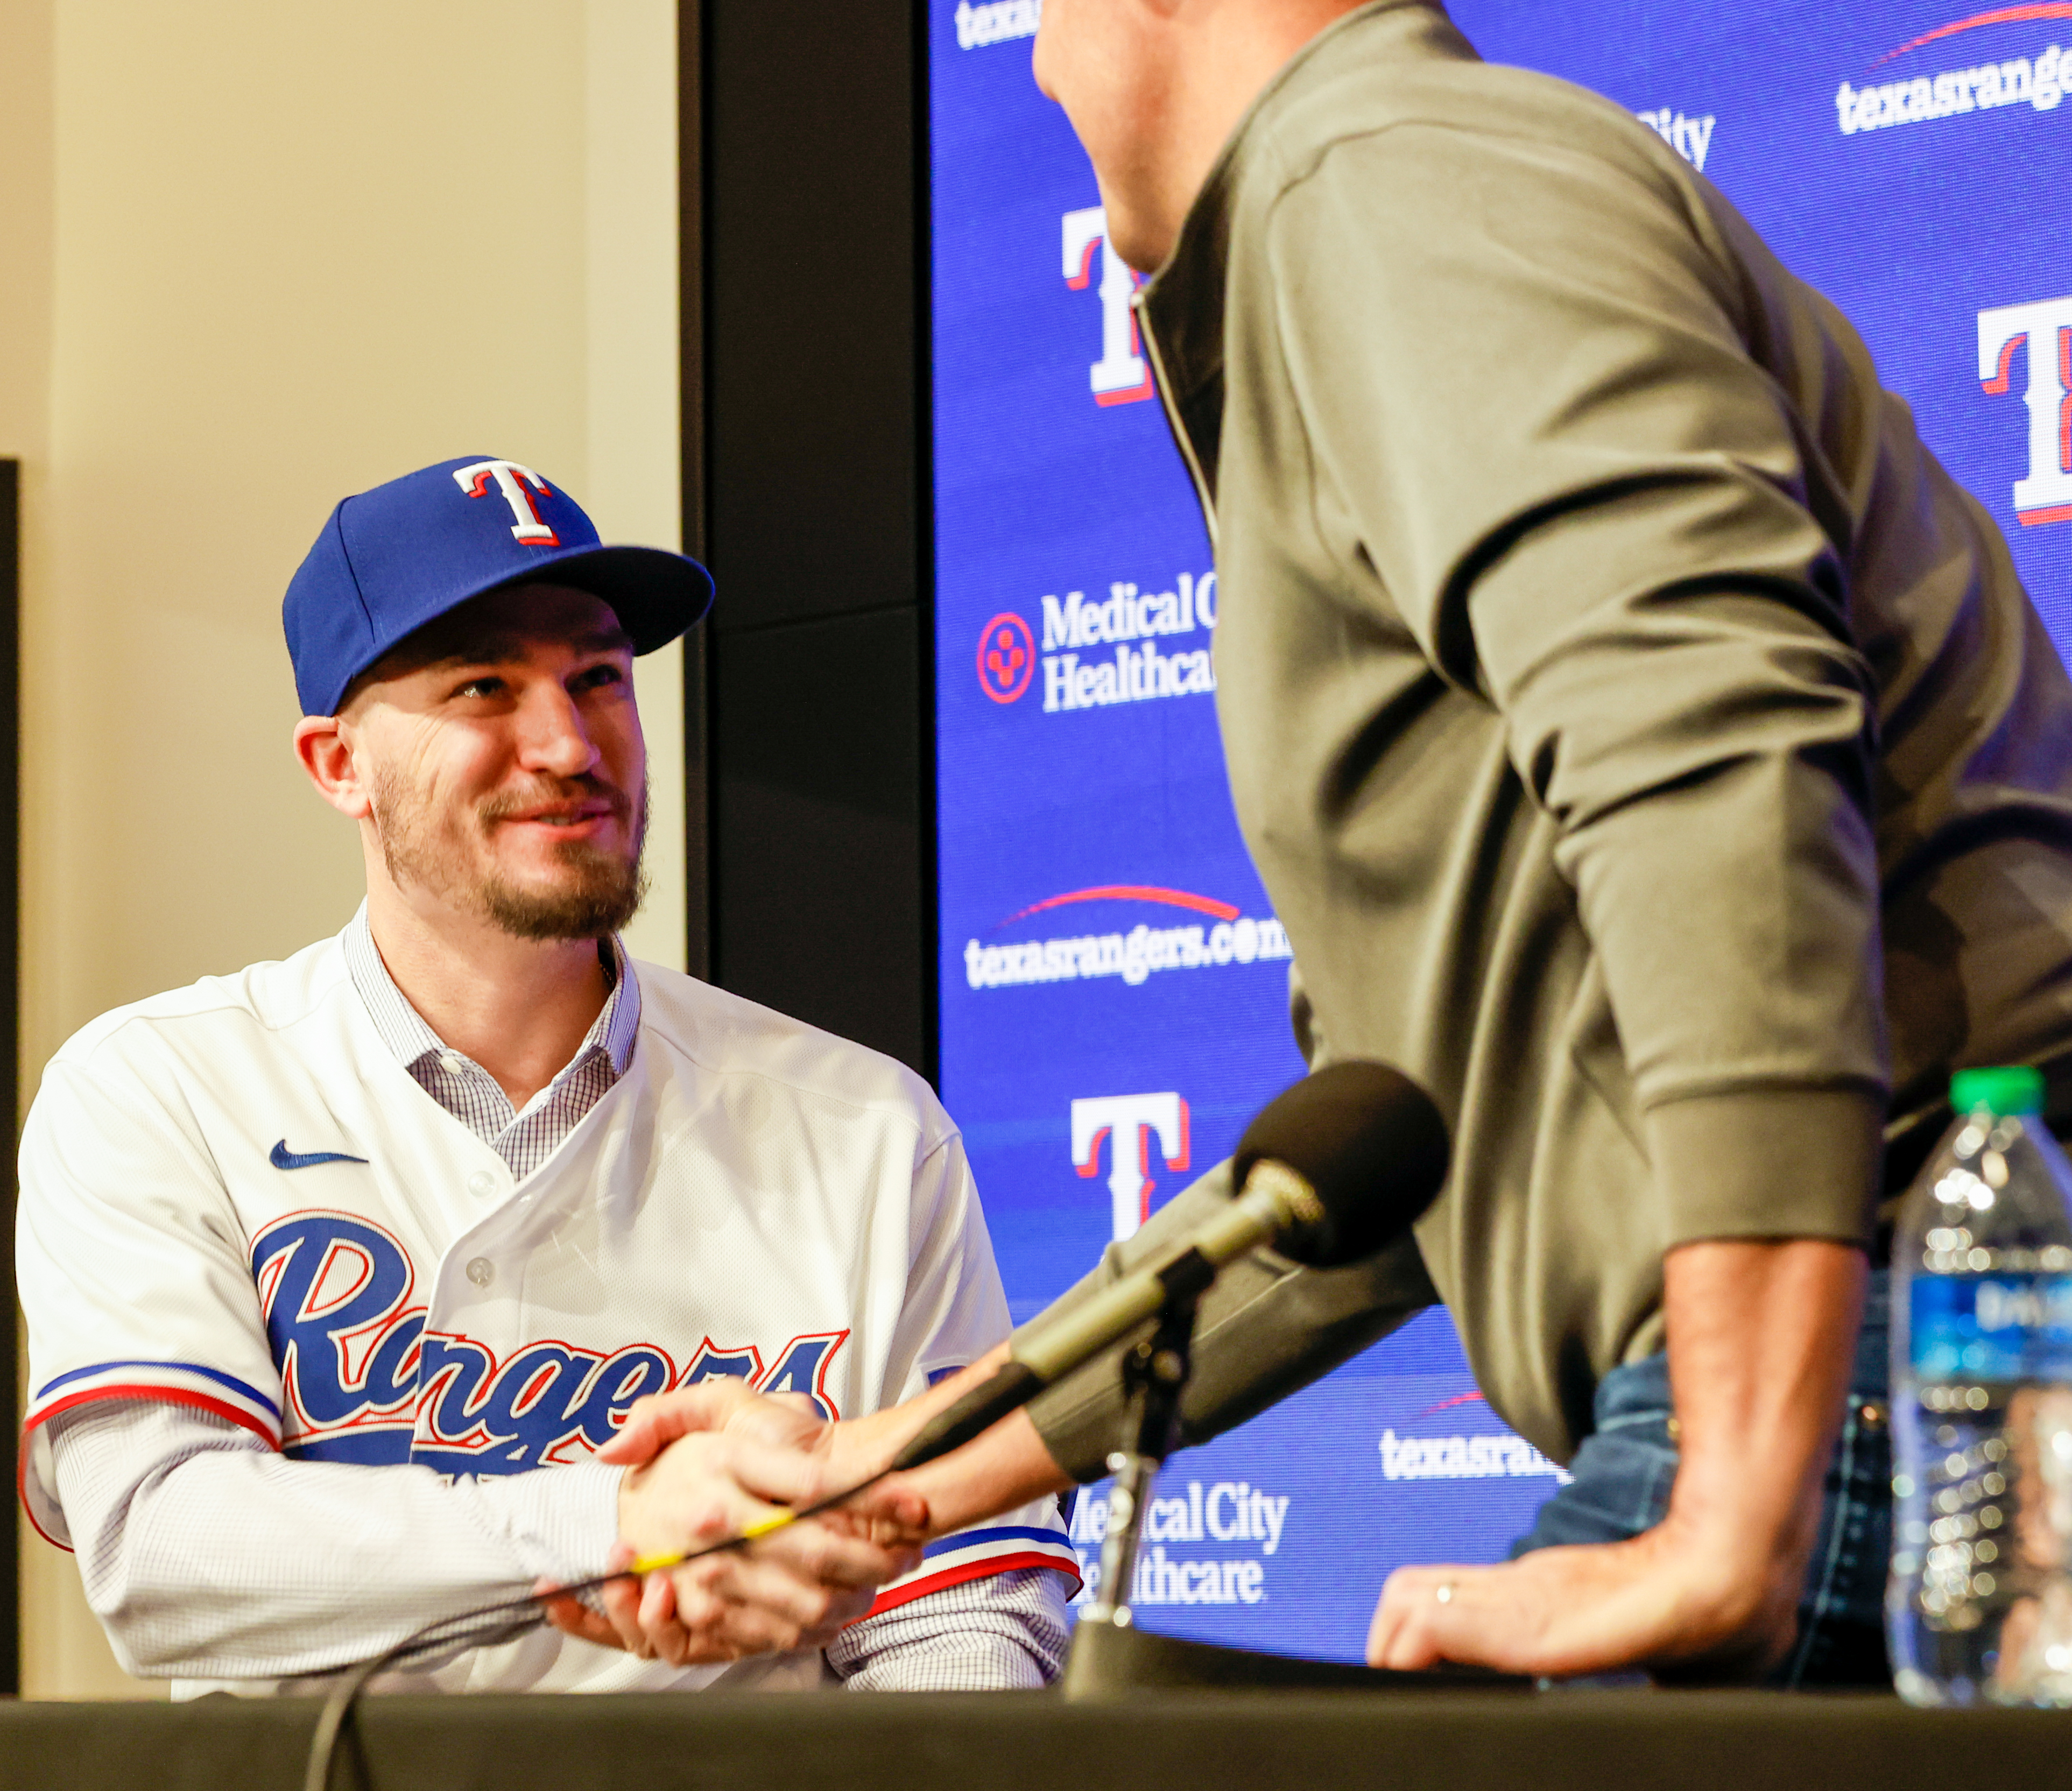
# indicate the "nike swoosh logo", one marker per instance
pixel 282 1158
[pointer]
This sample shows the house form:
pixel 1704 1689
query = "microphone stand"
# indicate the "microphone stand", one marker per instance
pixel 1154 1374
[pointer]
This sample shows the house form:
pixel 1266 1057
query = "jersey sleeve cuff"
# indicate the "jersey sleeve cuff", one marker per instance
pixel 1033 1539
pixel 564 1520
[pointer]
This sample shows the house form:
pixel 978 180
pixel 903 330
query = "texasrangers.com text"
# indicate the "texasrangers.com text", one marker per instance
pixel 2040 84
pixel 1132 956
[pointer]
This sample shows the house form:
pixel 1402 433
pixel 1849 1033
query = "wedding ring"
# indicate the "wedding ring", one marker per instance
pixel 1444 1592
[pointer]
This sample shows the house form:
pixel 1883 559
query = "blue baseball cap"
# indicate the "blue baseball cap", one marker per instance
pixel 396 557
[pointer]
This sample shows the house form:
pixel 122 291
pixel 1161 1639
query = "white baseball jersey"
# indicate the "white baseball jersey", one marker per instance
pixel 235 1198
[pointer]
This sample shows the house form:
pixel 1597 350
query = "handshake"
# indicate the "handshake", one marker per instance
pixel 1329 1172
pixel 710 1461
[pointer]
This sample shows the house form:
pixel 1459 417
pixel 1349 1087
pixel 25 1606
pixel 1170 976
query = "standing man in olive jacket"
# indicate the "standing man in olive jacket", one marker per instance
pixel 1647 746
pixel 1645 743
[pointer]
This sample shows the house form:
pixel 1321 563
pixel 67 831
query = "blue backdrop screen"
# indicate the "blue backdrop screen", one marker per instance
pixel 1113 978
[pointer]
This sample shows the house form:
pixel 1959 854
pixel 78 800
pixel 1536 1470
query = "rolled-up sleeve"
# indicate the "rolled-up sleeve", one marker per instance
pixel 1595 511
pixel 1005 1632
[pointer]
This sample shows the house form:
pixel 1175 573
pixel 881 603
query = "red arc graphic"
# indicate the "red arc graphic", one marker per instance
pixel 2000 15
pixel 1130 892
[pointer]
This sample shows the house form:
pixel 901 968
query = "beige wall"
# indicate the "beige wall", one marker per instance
pixel 258 255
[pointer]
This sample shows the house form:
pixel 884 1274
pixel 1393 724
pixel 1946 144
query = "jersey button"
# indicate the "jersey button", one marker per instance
pixel 482 1184
pixel 482 1272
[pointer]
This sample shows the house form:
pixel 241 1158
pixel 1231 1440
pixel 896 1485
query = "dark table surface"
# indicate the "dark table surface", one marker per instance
pixel 1474 1740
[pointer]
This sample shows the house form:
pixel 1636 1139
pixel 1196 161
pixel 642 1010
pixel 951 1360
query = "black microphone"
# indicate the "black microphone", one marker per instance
pixel 1340 1164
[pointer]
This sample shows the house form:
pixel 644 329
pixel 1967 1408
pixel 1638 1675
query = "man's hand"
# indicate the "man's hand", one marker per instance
pixel 825 1459
pixel 715 1460
pixel 1007 1467
pixel 1761 1340
pixel 1663 1597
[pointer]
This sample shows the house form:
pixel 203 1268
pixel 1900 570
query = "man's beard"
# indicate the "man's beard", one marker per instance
pixel 601 893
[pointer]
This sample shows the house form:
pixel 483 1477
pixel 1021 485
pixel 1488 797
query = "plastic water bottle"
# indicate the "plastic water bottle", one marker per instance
pixel 1979 1608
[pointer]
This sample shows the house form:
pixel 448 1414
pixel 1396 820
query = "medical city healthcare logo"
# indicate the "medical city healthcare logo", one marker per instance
pixel 1131 619
pixel 2045 327
pixel 1691 136
pixel 1229 938
pixel 1006 657
pixel 1224 1513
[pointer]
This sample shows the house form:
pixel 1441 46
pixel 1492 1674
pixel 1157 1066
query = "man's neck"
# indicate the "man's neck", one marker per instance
pixel 519 1008
pixel 1221 58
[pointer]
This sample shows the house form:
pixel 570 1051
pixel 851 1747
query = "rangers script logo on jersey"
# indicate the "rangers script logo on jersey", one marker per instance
pixel 363 1381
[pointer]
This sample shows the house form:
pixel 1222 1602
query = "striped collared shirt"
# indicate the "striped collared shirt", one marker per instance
pixel 467 1091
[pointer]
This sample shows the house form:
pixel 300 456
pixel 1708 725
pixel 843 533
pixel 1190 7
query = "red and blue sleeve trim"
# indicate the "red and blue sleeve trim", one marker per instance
pixel 976 1554
pixel 230 1381
pixel 179 1383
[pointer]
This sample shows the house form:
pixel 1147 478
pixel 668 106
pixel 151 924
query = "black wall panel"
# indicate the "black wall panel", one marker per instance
pixel 813 331
pixel 811 485
pixel 819 826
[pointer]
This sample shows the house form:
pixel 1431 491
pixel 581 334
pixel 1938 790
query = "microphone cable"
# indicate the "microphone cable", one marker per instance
pixel 510 1618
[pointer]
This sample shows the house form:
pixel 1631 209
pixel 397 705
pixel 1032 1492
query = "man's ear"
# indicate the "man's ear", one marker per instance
pixel 328 757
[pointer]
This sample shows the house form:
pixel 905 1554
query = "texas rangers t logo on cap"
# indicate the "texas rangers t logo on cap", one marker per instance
pixel 393 559
pixel 512 479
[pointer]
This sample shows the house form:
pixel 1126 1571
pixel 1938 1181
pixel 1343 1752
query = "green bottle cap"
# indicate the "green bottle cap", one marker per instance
pixel 2006 1093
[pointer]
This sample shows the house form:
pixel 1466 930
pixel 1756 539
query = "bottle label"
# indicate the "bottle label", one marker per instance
pixel 1991 1327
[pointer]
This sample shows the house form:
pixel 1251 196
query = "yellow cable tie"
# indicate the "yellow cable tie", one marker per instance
pixel 654 1563
pixel 651 1563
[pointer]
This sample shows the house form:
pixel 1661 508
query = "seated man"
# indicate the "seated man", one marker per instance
pixel 322 1261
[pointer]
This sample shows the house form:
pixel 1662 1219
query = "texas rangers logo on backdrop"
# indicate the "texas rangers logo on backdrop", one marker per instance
pixel 1129 1122
pixel 2044 327
pixel 363 1380
pixel 1222 936
pixel 1120 375
pixel 2003 84
pixel 995 21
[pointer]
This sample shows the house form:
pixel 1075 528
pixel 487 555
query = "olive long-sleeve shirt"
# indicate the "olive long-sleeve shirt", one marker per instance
pixel 1646 744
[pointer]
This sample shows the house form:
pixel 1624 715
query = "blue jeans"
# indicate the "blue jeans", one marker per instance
pixel 1624 1469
